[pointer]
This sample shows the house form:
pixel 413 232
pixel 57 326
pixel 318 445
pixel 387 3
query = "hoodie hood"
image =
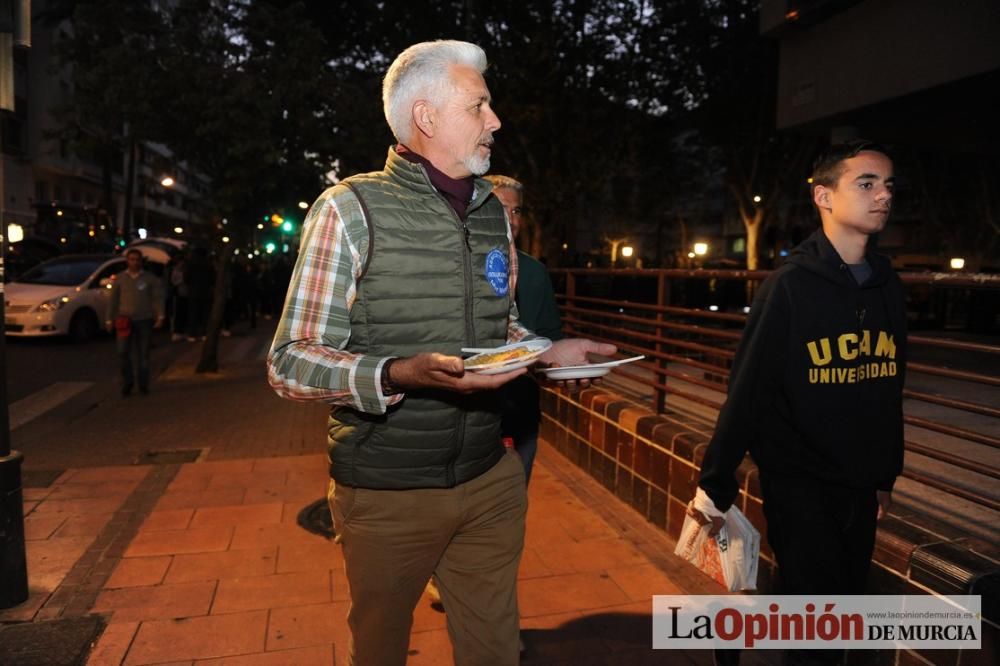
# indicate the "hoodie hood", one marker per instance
pixel 817 254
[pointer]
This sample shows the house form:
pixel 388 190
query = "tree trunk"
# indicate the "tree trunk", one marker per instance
pixel 209 361
pixel 753 226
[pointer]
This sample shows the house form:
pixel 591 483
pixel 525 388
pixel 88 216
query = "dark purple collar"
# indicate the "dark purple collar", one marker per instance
pixel 458 192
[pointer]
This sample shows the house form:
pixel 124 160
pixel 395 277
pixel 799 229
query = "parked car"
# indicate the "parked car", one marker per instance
pixel 64 296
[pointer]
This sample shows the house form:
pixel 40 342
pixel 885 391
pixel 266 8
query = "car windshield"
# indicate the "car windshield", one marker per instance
pixel 64 271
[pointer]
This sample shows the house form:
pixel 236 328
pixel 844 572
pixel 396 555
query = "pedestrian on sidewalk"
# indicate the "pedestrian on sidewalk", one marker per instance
pixel 135 308
pixel 179 288
pixel 199 276
pixel 245 290
pixel 815 391
pixel 390 283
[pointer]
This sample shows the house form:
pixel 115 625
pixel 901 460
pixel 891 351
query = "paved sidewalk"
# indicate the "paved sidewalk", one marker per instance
pixel 203 562
pixel 218 571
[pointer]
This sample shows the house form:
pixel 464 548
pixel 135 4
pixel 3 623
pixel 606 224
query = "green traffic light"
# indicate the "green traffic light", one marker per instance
pixel 286 226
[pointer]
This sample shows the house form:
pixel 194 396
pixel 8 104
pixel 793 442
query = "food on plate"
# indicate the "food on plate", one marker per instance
pixel 505 356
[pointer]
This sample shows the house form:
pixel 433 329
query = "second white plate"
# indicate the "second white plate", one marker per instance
pixel 590 371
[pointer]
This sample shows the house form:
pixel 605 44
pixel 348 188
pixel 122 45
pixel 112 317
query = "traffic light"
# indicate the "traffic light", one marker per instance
pixel 287 226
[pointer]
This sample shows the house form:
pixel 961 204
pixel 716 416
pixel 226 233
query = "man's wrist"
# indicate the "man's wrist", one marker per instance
pixel 389 387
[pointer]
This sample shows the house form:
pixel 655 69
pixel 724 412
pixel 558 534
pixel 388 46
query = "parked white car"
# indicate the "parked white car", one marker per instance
pixel 67 295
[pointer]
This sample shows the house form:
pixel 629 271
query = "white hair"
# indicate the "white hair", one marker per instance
pixel 421 72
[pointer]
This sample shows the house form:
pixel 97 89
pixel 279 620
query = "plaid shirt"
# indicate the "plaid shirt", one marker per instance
pixel 308 358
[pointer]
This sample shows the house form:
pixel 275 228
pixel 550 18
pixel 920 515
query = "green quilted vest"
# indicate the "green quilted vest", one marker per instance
pixel 431 284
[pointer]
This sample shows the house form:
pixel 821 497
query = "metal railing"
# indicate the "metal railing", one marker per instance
pixel 688 324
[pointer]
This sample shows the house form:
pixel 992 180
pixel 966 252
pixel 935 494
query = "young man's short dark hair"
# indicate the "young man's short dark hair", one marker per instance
pixel 829 164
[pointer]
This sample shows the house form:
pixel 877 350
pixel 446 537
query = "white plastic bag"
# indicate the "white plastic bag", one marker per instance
pixel 730 557
pixel 739 560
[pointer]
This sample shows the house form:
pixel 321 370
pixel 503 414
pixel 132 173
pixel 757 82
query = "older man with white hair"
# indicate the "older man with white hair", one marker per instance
pixel 398 270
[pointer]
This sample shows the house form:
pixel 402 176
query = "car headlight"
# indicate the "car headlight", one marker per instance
pixel 53 304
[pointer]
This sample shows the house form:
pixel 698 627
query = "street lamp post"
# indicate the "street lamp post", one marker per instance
pixel 13 560
pixel 15 29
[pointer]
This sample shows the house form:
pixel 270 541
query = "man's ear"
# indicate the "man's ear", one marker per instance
pixel 821 197
pixel 424 117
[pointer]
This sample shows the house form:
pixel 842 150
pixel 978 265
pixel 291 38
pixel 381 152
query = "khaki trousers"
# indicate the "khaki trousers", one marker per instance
pixel 469 537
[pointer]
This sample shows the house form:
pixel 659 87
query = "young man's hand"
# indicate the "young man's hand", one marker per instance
pixel 704 511
pixel 717 522
pixel 433 370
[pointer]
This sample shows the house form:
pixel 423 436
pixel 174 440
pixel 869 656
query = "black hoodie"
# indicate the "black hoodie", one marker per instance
pixel 816 386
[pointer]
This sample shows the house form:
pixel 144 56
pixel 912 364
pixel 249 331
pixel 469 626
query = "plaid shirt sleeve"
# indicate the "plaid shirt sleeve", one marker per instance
pixel 308 358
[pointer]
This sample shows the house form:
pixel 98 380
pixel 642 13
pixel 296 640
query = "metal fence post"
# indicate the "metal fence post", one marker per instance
pixel 662 299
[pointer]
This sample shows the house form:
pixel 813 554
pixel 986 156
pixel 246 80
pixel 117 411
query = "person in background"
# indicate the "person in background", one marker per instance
pixel 230 307
pixel 135 308
pixel 245 290
pixel 281 275
pixel 816 389
pixel 537 310
pixel 265 280
pixel 199 275
pixel 397 271
pixel 179 289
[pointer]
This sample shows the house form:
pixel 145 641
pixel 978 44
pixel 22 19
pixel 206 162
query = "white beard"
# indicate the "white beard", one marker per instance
pixel 477 166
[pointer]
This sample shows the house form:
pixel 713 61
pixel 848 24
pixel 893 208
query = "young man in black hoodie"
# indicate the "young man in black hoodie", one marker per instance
pixel 815 393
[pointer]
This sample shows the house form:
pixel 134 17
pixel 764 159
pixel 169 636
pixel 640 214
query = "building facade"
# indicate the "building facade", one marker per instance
pixel 65 191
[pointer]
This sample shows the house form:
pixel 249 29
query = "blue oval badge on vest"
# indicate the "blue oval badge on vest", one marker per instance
pixel 496 272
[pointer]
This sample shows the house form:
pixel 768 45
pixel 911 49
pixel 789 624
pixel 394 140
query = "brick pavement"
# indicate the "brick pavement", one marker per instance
pixel 204 563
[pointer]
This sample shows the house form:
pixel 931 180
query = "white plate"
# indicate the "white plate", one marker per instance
pixel 590 371
pixel 535 348
pixel 575 372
